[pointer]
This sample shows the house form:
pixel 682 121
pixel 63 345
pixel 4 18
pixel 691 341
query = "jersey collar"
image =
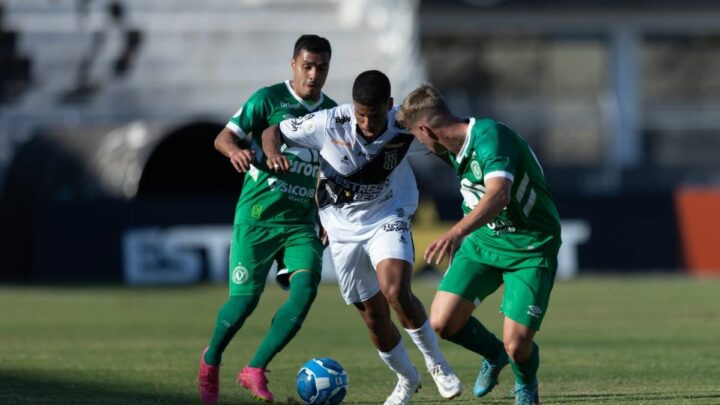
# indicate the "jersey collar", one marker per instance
pixel 466 145
pixel 309 107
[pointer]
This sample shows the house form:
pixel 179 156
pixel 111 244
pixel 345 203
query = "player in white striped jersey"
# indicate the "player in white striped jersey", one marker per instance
pixel 367 195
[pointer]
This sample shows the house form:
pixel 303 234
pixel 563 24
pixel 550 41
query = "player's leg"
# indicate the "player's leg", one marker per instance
pixel 359 286
pixel 525 302
pixel 375 312
pixel 247 272
pixel 392 254
pixel 465 283
pixel 303 258
pixel 525 359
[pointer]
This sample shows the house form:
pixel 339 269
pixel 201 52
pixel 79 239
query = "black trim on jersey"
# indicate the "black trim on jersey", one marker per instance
pixel 340 190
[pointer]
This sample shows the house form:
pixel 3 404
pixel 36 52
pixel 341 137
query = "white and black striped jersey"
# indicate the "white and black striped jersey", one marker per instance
pixel 361 183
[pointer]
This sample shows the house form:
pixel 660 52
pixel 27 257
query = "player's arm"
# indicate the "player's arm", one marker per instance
pixel 496 198
pixel 234 140
pixel 271 144
pixel 234 148
pixel 306 132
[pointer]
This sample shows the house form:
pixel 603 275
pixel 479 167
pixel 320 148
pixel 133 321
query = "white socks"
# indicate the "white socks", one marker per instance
pixel 398 361
pixel 427 342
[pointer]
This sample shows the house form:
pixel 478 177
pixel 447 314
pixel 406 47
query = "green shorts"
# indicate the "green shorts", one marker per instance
pixel 254 248
pixel 476 273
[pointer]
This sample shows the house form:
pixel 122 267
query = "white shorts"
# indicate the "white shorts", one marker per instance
pixel 355 261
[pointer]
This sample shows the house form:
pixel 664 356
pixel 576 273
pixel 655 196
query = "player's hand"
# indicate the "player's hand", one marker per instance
pixel 444 245
pixel 278 163
pixel 241 159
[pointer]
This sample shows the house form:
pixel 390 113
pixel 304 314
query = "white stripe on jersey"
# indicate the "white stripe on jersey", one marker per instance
pixel 237 131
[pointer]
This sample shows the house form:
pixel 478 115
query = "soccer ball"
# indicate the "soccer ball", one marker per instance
pixel 322 381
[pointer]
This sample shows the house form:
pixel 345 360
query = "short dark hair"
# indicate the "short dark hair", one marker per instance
pixel 311 43
pixel 371 88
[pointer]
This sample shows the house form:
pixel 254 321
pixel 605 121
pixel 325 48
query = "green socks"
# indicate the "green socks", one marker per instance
pixel 289 318
pixel 475 337
pixel 230 319
pixel 525 373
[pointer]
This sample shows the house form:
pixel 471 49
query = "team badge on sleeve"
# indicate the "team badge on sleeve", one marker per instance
pixel 308 127
pixel 476 171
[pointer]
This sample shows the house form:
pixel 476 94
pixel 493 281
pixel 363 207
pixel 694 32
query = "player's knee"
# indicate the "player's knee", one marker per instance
pixel 518 349
pixel 441 328
pixel 237 309
pixel 376 320
pixel 303 288
pixel 397 296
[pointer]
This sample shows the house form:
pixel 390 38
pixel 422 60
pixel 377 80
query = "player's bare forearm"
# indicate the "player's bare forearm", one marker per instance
pixel 496 198
pixel 240 155
pixel 226 142
pixel 271 143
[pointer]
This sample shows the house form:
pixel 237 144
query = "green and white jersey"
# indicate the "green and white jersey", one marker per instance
pixel 530 225
pixel 270 199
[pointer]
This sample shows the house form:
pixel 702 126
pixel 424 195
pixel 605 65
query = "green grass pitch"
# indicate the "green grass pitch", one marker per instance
pixel 639 340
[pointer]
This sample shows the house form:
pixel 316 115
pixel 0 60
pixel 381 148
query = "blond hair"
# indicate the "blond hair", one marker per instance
pixel 423 102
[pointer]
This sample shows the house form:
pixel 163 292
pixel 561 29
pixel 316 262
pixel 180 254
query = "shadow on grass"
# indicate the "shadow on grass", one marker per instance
pixel 702 396
pixel 18 387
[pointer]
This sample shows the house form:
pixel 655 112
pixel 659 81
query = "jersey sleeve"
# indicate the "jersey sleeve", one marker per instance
pixel 251 117
pixel 497 153
pixel 307 131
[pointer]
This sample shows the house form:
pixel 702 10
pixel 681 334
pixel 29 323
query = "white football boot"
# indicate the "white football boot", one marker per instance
pixel 404 390
pixel 448 383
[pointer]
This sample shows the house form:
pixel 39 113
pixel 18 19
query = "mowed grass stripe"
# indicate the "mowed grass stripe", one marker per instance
pixel 606 340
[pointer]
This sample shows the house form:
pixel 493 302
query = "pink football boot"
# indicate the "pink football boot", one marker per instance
pixel 255 381
pixel 208 382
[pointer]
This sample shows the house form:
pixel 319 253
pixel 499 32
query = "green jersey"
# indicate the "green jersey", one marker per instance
pixel 270 199
pixel 530 225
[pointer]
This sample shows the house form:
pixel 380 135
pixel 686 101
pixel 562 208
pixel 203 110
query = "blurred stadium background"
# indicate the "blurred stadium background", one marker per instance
pixel 108 109
pixel 108 177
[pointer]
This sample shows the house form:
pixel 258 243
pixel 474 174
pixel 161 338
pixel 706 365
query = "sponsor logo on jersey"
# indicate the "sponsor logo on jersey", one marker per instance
pixel 471 192
pixel 475 168
pixel 294 191
pixel 534 311
pixel 343 119
pixel 500 227
pixel 256 210
pixel 391 160
pixel 296 123
pixel 240 274
pixel 304 168
pixel 285 104
pixel 362 192
pixel 403 240
pixel 345 160
pixel 397 226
